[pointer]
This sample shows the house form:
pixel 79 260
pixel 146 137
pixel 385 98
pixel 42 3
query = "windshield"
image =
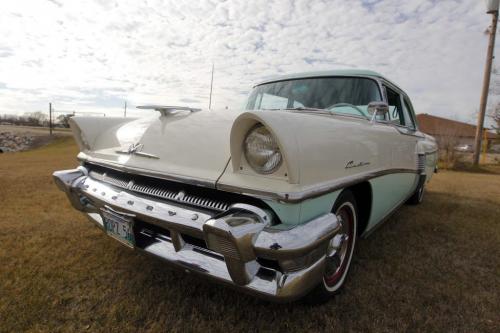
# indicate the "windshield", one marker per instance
pixel 331 93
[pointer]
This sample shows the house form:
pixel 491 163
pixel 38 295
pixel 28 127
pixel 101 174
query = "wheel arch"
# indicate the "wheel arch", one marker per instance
pixel 363 195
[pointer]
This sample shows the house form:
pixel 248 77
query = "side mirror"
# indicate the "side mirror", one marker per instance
pixel 378 110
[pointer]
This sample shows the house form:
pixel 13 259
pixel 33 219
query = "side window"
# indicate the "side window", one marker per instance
pixel 408 114
pixel 395 108
pixel 268 101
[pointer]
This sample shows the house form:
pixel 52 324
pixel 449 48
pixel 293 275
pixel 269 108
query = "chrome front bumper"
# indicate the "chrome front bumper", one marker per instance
pixel 240 242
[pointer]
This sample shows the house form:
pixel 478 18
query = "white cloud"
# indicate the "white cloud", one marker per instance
pixel 93 55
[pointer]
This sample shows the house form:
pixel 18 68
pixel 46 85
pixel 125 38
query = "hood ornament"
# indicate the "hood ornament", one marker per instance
pixel 136 149
pixel 165 110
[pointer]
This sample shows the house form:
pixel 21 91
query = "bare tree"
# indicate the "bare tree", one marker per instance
pixel 494 114
pixel 494 110
pixel 63 119
pixel 37 118
pixel 447 141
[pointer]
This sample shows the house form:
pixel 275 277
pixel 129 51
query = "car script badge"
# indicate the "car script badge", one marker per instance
pixel 352 164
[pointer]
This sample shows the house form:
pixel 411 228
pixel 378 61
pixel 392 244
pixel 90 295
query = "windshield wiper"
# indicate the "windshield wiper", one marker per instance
pixel 299 108
pixel 303 108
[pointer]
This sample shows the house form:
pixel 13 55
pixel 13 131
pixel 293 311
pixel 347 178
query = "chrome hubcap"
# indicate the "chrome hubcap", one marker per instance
pixel 338 247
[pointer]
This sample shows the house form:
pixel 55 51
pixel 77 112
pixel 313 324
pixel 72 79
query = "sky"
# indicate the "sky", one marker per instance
pixel 93 55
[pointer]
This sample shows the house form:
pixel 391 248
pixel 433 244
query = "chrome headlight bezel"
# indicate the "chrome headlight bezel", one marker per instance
pixel 261 150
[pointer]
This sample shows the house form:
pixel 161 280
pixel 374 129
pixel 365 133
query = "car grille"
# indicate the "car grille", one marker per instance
pixel 160 190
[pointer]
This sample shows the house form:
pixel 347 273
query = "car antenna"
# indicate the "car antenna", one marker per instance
pixel 211 84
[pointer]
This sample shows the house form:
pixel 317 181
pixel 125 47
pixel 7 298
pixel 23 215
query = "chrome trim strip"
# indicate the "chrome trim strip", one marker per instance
pixel 430 152
pixel 139 153
pixel 146 173
pixel 293 197
pixel 405 130
pixel 316 190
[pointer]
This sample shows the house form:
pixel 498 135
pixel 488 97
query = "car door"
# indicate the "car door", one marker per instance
pixel 405 149
pixel 393 189
pixel 426 145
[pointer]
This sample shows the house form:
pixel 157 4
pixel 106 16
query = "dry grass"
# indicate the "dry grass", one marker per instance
pixel 434 267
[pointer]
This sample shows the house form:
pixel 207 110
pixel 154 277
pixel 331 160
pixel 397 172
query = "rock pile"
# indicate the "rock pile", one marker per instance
pixel 15 142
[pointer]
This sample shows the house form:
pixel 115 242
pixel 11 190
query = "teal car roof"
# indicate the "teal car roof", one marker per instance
pixel 337 72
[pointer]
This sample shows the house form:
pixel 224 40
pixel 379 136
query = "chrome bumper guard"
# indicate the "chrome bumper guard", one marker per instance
pixel 237 239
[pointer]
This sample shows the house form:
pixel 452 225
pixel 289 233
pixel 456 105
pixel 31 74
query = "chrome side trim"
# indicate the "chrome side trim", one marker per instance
pixel 408 131
pixel 293 197
pixel 316 190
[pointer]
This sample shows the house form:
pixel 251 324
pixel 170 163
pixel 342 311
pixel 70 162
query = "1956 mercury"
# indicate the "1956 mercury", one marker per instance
pixel 271 199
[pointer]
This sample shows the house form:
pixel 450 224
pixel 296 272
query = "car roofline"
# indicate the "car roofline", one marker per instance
pixel 333 73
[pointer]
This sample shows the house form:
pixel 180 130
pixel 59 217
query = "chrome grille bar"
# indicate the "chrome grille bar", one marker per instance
pixel 160 191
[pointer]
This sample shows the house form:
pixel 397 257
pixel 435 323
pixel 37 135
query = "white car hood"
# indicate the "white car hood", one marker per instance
pixel 183 145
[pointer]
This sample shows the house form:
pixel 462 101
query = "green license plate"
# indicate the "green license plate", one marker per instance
pixel 119 226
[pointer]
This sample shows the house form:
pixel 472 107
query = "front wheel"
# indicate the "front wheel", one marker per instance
pixel 340 250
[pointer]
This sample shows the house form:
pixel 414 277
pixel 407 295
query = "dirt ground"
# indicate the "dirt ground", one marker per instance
pixel 432 268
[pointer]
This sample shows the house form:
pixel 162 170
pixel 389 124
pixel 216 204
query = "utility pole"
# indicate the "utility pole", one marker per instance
pixel 211 84
pixel 125 110
pixel 50 119
pixel 493 10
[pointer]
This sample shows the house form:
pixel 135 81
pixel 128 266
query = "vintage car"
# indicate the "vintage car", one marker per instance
pixel 271 199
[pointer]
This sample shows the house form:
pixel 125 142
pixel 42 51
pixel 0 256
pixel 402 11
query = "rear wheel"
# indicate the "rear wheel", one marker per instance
pixel 418 196
pixel 339 251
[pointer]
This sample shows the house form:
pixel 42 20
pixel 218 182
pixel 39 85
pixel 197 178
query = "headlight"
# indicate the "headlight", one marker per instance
pixel 261 150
